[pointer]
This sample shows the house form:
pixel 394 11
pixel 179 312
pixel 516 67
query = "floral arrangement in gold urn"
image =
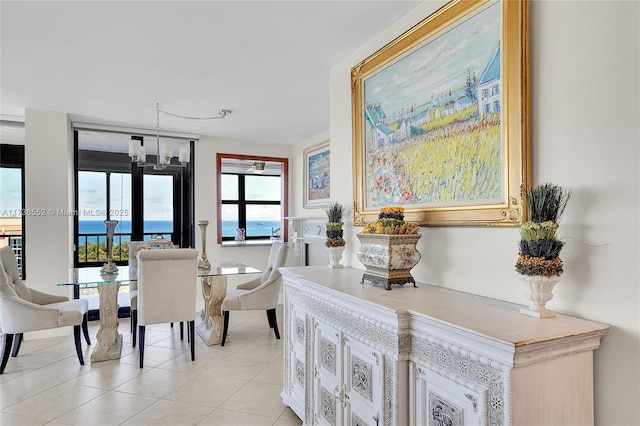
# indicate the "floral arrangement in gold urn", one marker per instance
pixel 391 221
pixel 388 248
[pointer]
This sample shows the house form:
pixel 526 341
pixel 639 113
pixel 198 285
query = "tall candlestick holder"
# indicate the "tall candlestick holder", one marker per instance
pixel 203 263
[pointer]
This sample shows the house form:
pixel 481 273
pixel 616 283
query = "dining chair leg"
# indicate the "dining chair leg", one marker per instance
pixel 273 321
pixel 225 326
pixel 134 321
pixel 78 339
pixel 16 344
pixel 6 350
pixel 192 328
pixel 85 328
pixel 141 344
pixel 181 330
pixel 269 319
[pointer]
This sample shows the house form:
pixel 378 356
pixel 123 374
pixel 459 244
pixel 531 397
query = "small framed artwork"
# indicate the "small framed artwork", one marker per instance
pixel 317 189
pixel 441 118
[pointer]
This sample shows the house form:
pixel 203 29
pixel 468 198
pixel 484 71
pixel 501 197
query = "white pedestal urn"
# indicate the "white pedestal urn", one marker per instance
pixel 110 267
pixel 203 263
pixel 538 289
pixel 388 258
pixel 335 254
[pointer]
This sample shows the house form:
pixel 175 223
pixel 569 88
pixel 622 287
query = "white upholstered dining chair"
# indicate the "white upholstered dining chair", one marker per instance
pixel 24 309
pixel 260 293
pixel 134 248
pixel 166 291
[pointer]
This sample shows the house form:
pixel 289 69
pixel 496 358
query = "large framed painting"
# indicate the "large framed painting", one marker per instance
pixel 317 190
pixel 441 118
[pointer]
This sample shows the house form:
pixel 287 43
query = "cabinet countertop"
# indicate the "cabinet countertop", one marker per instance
pixel 490 317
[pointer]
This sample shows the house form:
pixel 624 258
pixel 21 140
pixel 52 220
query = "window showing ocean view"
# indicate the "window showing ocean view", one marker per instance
pixel 11 207
pixel 250 202
pixel 92 228
pixel 255 228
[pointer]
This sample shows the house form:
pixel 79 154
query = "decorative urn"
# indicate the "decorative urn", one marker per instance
pixel 388 249
pixel 388 258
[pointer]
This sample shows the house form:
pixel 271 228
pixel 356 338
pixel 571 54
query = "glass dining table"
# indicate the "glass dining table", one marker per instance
pixel 109 341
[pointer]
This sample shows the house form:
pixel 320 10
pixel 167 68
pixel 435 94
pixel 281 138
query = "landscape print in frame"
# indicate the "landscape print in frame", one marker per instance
pixel 441 118
pixel 318 177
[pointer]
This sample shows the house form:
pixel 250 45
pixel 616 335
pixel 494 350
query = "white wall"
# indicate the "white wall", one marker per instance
pixel 48 189
pixel 205 197
pixel 585 114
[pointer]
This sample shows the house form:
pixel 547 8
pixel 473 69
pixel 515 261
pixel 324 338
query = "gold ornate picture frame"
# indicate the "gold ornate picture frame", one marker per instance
pixel 441 118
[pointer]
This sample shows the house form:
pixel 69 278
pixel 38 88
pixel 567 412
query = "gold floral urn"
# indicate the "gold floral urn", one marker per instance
pixel 388 258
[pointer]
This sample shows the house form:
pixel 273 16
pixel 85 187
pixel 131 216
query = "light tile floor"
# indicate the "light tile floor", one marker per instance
pixel 238 384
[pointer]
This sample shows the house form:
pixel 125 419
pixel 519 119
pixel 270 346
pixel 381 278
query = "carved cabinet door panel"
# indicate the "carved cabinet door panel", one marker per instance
pixel 328 395
pixel 363 382
pixel 444 401
pixel 296 338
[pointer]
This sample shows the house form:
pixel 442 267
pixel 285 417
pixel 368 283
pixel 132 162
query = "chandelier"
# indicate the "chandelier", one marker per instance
pixel 165 151
pixel 258 167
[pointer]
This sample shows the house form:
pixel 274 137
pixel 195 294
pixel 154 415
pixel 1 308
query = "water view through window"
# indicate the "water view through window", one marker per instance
pixel 252 202
pixel 11 211
pixel 103 195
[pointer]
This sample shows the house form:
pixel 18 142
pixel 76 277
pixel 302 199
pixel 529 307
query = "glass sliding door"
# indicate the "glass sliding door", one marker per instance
pixel 158 206
pixel 92 212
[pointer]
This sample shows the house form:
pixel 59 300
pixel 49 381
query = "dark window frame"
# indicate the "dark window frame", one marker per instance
pixel 243 203
pixel 284 193
pixel 12 156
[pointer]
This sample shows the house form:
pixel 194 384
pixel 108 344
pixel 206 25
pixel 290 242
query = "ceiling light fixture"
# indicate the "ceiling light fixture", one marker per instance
pixel 164 151
pixel 258 167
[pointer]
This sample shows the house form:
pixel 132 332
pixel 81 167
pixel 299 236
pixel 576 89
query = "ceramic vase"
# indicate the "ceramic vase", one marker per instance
pixel 203 263
pixel 538 289
pixel 335 254
pixel 110 267
pixel 388 258
pixel 240 235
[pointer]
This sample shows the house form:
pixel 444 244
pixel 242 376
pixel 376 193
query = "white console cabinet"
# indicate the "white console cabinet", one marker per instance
pixel 356 354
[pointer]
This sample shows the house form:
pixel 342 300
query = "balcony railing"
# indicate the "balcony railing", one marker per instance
pixel 15 242
pixel 92 248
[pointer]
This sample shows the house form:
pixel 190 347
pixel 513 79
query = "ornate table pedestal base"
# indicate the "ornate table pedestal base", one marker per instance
pixel 210 324
pixel 109 341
